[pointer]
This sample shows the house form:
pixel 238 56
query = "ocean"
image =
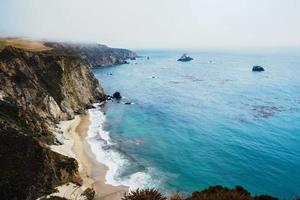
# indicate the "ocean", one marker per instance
pixel 211 121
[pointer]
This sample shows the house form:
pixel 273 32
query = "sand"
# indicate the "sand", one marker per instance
pixel 91 171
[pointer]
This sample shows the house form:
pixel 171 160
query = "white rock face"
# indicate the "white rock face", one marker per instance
pixel 54 109
pixel 2 95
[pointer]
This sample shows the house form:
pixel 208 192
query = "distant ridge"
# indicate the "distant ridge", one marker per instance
pixel 93 53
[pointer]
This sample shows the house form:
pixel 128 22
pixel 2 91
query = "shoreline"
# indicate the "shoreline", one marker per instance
pixel 91 171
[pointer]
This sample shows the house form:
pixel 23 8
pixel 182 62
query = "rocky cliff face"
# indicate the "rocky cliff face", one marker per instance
pixel 94 54
pixel 37 89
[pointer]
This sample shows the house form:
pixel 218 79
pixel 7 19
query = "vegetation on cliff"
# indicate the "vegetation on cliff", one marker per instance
pixel 211 193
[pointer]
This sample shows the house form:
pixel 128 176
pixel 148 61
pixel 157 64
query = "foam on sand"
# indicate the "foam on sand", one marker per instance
pixel 103 147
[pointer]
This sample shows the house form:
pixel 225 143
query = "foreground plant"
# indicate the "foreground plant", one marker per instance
pixel 144 194
pixel 211 193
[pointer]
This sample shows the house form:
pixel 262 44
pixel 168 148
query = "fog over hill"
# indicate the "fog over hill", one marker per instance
pixel 156 23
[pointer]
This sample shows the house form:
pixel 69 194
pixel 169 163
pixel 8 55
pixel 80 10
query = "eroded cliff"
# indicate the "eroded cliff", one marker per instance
pixel 94 54
pixel 38 89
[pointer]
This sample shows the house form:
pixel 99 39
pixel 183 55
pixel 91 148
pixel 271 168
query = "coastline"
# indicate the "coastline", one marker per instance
pixel 91 171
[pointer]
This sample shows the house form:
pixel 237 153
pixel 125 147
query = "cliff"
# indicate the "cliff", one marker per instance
pixel 38 89
pixel 94 54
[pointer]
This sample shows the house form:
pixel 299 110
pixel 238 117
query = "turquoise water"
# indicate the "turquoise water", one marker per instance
pixel 210 121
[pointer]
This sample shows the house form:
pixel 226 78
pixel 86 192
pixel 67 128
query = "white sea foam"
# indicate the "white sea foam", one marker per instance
pixel 102 146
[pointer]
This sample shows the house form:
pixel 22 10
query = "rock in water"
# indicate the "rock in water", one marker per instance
pixel 117 95
pixel 258 69
pixel 185 58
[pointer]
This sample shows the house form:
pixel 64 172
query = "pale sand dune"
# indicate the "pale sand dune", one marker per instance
pixel 92 172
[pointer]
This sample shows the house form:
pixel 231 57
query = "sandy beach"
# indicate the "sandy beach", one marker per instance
pixel 91 171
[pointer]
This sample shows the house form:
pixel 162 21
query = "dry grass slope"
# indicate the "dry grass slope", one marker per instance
pixel 23 44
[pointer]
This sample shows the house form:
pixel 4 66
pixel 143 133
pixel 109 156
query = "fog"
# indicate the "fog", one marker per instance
pixel 167 24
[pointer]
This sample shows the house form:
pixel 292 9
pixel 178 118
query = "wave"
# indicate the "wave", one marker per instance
pixel 122 170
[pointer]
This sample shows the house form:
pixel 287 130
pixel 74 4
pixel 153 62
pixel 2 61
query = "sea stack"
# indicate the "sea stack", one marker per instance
pixel 258 69
pixel 185 58
pixel 117 95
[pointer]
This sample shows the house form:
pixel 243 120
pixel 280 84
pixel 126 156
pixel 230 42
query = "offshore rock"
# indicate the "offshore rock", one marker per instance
pixel 117 95
pixel 258 69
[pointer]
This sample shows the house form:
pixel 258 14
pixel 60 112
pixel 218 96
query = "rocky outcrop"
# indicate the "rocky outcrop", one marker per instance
pixel 28 168
pixel 94 54
pixel 37 90
pixel 258 69
pixel 117 95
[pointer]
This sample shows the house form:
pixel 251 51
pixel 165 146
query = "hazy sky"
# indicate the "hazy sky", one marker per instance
pixel 156 23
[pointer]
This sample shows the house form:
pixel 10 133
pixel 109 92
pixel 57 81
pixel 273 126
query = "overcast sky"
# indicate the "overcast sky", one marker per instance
pixel 156 23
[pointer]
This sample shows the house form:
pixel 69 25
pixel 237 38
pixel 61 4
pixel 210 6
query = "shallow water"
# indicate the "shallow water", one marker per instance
pixel 210 121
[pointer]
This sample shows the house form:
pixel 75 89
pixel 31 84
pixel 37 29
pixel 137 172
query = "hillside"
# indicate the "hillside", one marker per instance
pixel 40 86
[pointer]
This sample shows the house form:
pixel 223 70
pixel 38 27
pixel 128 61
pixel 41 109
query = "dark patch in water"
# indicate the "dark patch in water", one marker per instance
pixel 262 111
pixel 241 118
pixel 225 81
pixel 197 80
pixel 125 142
pixel 293 110
pixel 175 82
pixel 192 78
